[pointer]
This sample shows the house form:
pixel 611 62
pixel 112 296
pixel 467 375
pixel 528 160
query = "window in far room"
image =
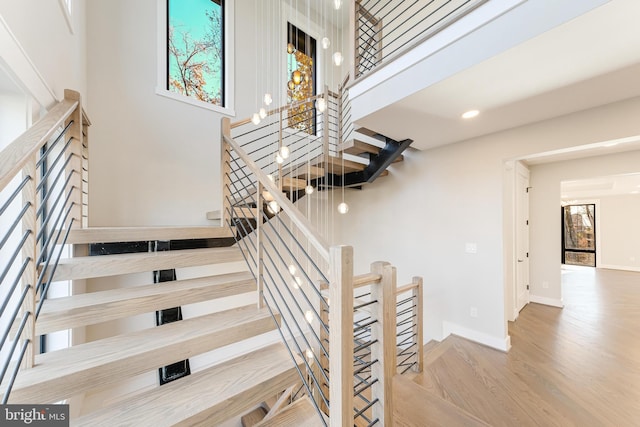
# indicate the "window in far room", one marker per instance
pixel 301 84
pixel 196 49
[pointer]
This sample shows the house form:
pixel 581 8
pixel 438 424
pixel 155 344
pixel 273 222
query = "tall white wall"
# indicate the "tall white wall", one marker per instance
pixel 616 245
pixel 154 160
pixel 420 217
pixel 619 235
pixel 57 53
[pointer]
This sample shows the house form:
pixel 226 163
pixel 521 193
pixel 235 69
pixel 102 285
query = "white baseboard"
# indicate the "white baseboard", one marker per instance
pixel 502 344
pixel 553 302
pixel 619 267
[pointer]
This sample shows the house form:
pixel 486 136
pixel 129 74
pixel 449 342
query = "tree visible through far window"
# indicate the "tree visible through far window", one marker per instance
pixel 195 49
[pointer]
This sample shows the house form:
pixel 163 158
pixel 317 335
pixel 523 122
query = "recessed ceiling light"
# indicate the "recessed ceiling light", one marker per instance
pixel 470 114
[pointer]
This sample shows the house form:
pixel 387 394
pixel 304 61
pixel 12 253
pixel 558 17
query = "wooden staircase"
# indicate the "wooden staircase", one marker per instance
pixel 208 396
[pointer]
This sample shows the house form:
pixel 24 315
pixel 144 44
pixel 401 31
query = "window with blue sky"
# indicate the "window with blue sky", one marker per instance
pixel 195 49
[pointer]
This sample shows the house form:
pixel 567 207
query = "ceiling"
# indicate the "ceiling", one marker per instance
pixel 589 61
pixel 7 85
pixel 614 185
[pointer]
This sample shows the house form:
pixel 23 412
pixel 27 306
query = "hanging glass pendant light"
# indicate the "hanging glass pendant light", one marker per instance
pixel 274 207
pixel 262 113
pixel 296 77
pixel 309 189
pixel 326 43
pixel 279 159
pixel 337 58
pixel 343 208
pixel 337 4
pixel 255 119
pixel 267 99
pixel 284 152
pixel 321 104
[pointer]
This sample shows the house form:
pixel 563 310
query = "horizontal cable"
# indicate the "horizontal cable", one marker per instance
pixel 51 167
pixel 45 290
pixel 13 317
pixel 53 144
pixel 14 224
pixel 43 203
pixel 14 255
pixel 14 194
pixel 16 369
pixel 14 285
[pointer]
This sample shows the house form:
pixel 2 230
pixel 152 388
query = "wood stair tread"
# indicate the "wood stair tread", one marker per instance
pixel 110 265
pixel 289 183
pixel 335 165
pixel 138 234
pixel 90 308
pixel 305 171
pixel 64 373
pixel 357 147
pixel 434 410
pixel 299 413
pixel 204 398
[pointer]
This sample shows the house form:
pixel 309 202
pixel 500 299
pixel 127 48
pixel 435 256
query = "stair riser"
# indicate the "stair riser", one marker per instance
pixel 103 312
pixel 62 386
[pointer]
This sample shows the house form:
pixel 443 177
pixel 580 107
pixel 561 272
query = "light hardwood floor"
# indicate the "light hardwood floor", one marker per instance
pixel 577 366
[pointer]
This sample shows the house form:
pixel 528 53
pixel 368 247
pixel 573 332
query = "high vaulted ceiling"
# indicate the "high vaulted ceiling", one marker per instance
pixel 589 61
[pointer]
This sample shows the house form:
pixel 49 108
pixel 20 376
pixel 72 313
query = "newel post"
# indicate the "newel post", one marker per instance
pixel 225 169
pixel 74 167
pixel 383 336
pixel 341 336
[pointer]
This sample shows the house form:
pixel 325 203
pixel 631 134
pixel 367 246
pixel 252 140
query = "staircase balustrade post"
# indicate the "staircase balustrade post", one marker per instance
pixel 341 336
pixel 383 336
pixel 74 167
pixel 30 251
pixel 225 167
pixel 418 325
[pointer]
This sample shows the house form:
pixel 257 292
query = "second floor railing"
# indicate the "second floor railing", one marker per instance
pixel 386 29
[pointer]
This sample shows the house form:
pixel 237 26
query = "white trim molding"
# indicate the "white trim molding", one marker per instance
pixel 619 267
pixel 502 344
pixel 229 61
pixel 553 302
pixel 67 11
pixel 22 69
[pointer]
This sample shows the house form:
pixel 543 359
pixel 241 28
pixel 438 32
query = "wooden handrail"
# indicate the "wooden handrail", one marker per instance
pixel 296 216
pixel 14 157
pixel 406 288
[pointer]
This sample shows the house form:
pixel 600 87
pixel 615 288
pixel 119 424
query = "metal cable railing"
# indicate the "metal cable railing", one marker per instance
pixel 267 167
pixel 41 194
pixel 409 327
pixel 288 268
pixel 385 30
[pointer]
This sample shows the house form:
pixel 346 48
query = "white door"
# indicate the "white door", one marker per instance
pixel 522 237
